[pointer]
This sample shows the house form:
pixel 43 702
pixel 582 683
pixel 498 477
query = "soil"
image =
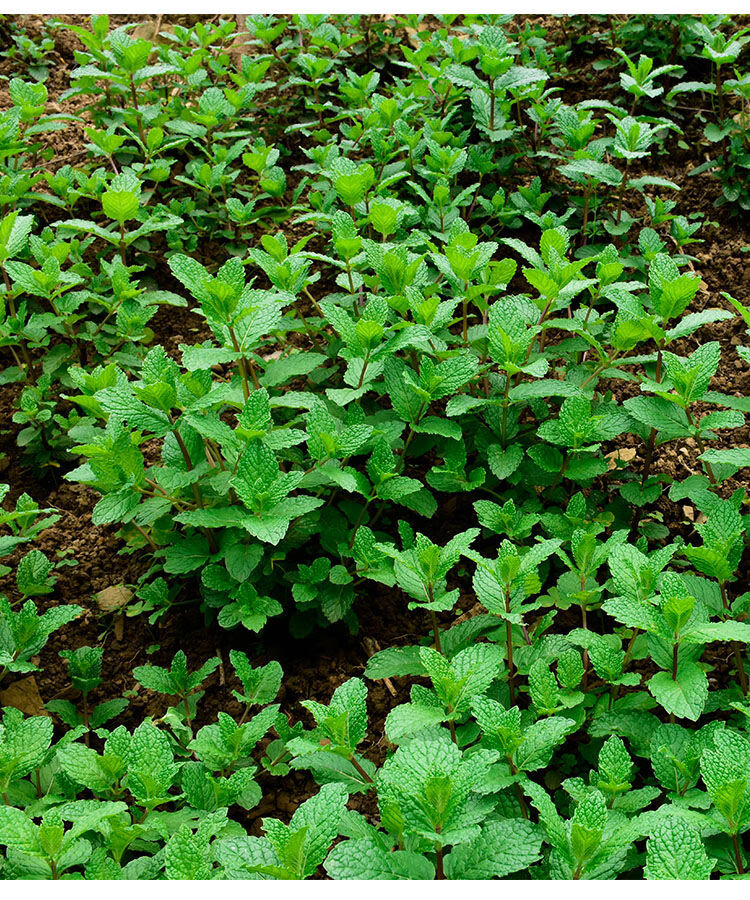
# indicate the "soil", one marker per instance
pixel 315 666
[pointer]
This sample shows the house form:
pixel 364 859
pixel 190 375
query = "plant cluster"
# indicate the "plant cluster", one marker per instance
pixel 445 330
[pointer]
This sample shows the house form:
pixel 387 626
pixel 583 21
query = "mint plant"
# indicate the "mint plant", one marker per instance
pixel 177 681
pixel 334 320
pixel 85 670
pixel 24 632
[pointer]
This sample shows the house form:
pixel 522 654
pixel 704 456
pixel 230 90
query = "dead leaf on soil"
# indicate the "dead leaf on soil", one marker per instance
pixel 24 695
pixel 411 33
pixel 113 598
pixel 624 455
pixel 152 30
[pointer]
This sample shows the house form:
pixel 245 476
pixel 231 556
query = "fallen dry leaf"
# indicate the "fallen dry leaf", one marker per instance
pixel 24 695
pixel 624 456
pixel 113 598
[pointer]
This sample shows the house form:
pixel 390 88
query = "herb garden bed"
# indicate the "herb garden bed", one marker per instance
pixel 402 356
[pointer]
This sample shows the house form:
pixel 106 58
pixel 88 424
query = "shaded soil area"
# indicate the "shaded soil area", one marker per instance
pixel 315 666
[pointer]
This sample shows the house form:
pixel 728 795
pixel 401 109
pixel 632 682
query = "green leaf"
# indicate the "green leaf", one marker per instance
pixel 686 696
pixel 590 168
pixel 503 463
pixel 84 766
pixel 14 234
pixel 119 506
pixel 719 631
pixel 18 832
pixel 667 418
pixel 394 662
pixel 344 721
pixel 186 555
pixel 675 851
pixel 155 678
pixel 615 767
pixel 410 718
pixel 23 743
pixel 282 371
pixel 120 205
pixel 587 827
pixel 151 766
pixel 738 457
pixel 32 574
pixel 317 821
pixel 260 685
pixel 362 859
pixel 725 769
pixel 184 857
pixel 502 847
pixel 540 740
